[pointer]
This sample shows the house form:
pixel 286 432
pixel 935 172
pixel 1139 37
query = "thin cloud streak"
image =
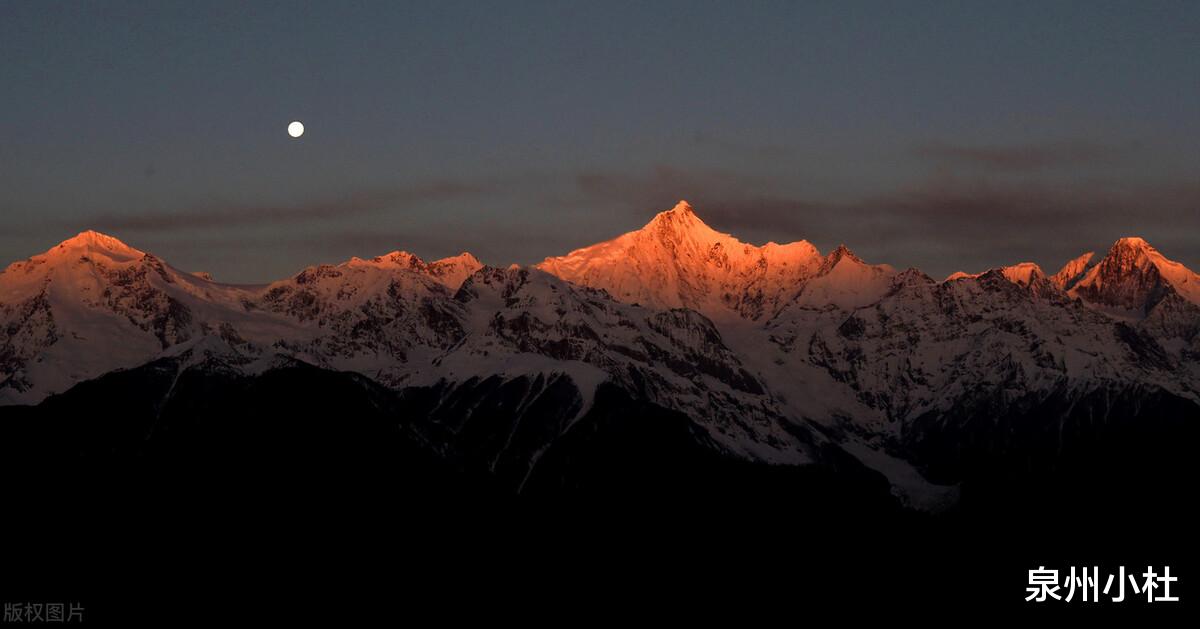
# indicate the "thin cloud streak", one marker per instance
pixel 1025 157
pixel 355 203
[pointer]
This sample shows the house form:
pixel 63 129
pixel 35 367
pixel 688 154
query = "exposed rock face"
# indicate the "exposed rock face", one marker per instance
pixel 1134 276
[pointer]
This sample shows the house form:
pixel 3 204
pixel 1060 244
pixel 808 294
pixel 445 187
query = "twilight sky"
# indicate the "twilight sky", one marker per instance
pixel 950 135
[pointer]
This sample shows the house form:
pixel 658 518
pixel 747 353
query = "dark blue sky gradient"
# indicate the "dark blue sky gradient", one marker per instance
pixel 941 135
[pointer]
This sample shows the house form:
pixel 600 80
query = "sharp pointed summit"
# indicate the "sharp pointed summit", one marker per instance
pixel 676 260
pixel 836 256
pixel 680 225
pixel 1070 273
pixel 1134 277
pixel 683 207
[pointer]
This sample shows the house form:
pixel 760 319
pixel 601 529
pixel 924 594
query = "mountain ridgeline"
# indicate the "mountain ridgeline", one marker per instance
pixel 672 360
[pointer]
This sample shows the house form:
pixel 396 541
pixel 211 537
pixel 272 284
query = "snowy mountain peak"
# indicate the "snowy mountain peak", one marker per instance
pixel 681 224
pixel 95 242
pixel 1132 242
pixel 93 237
pixel 84 260
pixel 844 281
pixel 1134 277
pixel 837 255
pixel 1023 273
pixel 396 258
pixel 1072 271
pixel 454 270
pixel 683 207
pixel 448 271
pixel 463 258
pixel 676 260
pixel 1133 252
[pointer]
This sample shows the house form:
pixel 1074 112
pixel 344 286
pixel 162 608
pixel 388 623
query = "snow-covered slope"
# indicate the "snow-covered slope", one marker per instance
pixel 520 321
pixel 933 368
pixel 845 282
pixel 776 352
pixel 93 304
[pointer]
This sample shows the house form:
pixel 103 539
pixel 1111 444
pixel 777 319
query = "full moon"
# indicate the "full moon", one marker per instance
pixel 296 129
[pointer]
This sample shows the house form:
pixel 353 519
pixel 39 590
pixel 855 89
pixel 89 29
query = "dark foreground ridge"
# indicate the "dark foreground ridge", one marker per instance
pixel 335 488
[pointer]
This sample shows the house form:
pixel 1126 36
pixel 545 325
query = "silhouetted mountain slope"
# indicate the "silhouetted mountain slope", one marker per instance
pixel 295 424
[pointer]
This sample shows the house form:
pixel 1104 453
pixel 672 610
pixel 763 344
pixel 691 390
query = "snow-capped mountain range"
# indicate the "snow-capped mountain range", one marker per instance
pixel 776 351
